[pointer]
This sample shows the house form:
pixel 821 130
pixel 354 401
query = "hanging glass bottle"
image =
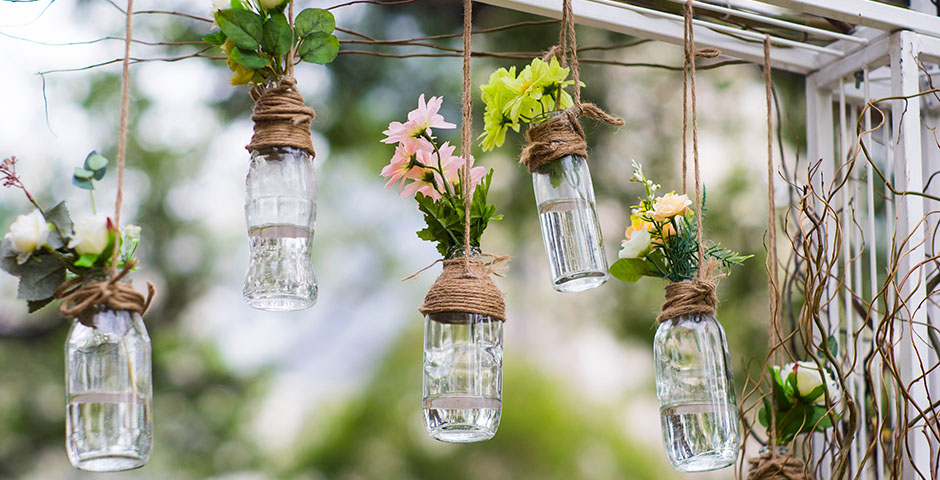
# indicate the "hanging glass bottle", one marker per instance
pixel 281 212
pixel 109 390
pixel 463 366
pixel 695 386
pixel 571 231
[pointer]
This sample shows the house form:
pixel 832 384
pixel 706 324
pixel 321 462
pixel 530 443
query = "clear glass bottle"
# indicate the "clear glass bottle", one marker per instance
pixel 463 375
pixel 695 386
pixel 571 230
pixel 109 390
pixel 281 211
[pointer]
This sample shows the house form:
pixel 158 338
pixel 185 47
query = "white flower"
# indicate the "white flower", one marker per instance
pixel 221 5
pixel 132 232
pixel 28 233
pixel 808 378
pixel 91 235
pixel 270 4
pixel 638 242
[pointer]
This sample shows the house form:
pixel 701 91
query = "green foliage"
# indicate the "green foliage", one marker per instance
pixel 257 42
pixel 94 168
pixel 797 412
pixel 445 218
pixel 632 269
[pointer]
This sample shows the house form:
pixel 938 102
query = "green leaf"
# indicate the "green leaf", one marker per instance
pixel 242 27
pixel 216 38
pixel 40 277
pixel 763 416
pixel 248 59
pixel 319 48
pixel 35 305
pixel 87 260
pixel 83 174
pixel 8 258
pixel 96 163
pixel 59 217
pixel 816 393
pixel 313 20
pixel 277 36
pixel 631 269
pixel 83 183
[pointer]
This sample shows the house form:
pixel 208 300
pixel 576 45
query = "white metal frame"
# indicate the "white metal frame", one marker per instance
pixel 884 47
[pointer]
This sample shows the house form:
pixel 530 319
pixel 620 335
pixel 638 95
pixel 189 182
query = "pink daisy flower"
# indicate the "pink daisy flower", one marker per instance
pixel 405 161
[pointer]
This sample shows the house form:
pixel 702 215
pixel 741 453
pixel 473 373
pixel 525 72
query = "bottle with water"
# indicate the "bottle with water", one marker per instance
pixel 463 374
pixel 281 211
pixel 571 231
pixel 109 391
pixel 695 386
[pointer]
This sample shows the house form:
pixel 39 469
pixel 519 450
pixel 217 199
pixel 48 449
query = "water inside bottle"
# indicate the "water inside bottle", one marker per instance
pixel 280 275
pixel 573 244
pixel 700 436
pixel 462 418
pixel 108 432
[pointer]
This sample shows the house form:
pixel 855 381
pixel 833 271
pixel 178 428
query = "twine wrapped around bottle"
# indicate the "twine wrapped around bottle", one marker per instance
pixel 281 117
pixel 465 287
pixel 561 135
pixel 82 300
pixel 775 466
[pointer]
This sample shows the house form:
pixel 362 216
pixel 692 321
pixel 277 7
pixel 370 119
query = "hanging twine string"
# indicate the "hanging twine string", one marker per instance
pixel 82 300
pixel 771 466
pixel 695 297
pixel 772 288
pixel 562 134
pixel 464 285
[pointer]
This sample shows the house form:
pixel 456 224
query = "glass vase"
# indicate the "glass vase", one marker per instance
pixel 571 231
pixel 109 391
pixel 695 386
pixel 463 375
pixel 281 211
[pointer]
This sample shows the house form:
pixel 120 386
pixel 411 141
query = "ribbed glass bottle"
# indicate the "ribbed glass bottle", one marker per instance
pixel 463 374
pixel 695 386
pixel 109 391
pixel 281 212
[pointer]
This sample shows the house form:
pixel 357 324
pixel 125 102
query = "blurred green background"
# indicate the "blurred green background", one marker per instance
pixel 334 392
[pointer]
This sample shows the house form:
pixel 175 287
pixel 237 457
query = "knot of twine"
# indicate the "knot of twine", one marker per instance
pixel 561 135
pixel 281 117
pixel 465 286
pixel 691 297
pixel 80 300
pixel 772 465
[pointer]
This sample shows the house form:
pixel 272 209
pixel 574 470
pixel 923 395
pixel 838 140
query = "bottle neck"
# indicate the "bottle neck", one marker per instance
pixel 458 251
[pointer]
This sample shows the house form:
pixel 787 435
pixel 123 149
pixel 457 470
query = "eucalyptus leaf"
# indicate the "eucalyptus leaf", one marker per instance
pixel 40 277
pixel 277 36
pixel 319 47
pixel 216 38
pixel 248 59
pixel 83 183
pixel 96 163
pixel 313 20
pixel 83 173
pixel 244 28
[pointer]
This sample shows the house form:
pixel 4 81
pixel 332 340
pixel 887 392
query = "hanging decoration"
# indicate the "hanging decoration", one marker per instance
pixel 556 156
pixel 464 310
pixel 108 381
pixel 263 43
pixel 694 383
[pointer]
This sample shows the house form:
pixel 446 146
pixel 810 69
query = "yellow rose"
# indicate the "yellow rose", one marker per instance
pixel 669 206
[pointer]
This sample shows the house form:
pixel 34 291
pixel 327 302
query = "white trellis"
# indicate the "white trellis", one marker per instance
pixel 889 52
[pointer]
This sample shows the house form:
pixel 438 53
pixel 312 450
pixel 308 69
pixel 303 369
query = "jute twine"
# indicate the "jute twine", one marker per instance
pixel 464 285
pixel 464 290
pixel 562 134
pixel 81 300
pixel 281 117
pixel 771 466
pixel 691 297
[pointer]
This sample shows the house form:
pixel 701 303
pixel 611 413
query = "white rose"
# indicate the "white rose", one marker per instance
pixel 270 4
pixel 28 233
pixel 221 5
pixel 808 378
pixel 638 242
pixel 91 235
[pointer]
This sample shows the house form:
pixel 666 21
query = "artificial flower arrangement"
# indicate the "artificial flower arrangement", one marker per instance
pixel 256 37
pixel 803 394
pixel 662 239
pixel 428 170
pixel 44 248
